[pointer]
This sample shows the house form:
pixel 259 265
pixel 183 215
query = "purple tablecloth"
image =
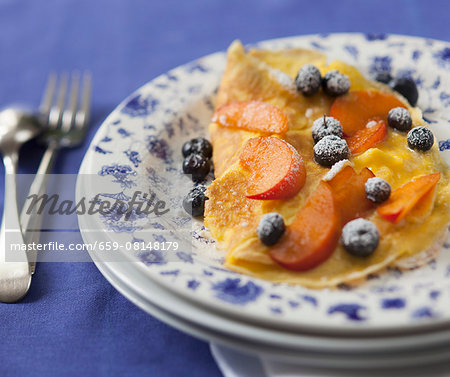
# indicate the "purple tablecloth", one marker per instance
pixel 73 322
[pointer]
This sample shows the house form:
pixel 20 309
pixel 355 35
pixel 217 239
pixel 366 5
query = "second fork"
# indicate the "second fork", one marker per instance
pixel 66 127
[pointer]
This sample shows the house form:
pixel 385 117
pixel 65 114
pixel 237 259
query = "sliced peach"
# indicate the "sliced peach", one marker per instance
pixel 313 235
pixel 350 194
pixel 356 108
pixel 276 169
pixel 405 198
pixel 423 207
pixel 367 137
pixel 254 116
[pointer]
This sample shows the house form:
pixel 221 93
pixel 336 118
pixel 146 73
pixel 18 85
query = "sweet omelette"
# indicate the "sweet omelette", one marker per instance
pixel 232 218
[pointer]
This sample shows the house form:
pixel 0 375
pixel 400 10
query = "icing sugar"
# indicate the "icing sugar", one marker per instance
pixel 336 168
pixel 284 79
pixel 371 124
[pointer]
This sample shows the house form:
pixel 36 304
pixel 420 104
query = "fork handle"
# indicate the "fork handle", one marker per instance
pixel 31 221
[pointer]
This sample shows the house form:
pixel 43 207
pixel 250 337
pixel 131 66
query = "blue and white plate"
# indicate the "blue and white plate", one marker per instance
pixel 137 150
pixel 272 344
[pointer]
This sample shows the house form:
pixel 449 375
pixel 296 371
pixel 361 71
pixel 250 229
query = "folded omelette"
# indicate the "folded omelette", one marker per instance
pixel 232 218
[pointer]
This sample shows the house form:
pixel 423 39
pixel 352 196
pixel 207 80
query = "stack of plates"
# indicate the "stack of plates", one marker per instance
pixel 394 319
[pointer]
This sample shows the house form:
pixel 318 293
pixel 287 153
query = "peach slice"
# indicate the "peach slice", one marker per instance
pixel 350 194
pixel 367 137
pixel 355 109
pixel 405 198
pixel 253 116
pixel 276 168
pixel 423 207
pixel 313 235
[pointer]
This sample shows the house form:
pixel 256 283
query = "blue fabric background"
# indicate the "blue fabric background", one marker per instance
pixel 73 322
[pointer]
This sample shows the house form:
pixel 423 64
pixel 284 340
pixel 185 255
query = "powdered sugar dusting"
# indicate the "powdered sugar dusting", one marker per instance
pixel 223 120
pixel 330 150
pixel 284 79
pixel 377 189
pixel 371 124
pixel 336 168
pixel 400 119
pixel 325 126
pixel 360 237
pixel 336 83
pixel 297 160
pixel 308 113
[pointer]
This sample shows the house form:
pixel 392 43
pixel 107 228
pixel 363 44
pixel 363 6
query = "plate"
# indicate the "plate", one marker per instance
pixel 124 276
pixel 187 317
pixel 138 146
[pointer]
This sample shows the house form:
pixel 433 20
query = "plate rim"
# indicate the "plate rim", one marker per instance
pixel 131 284
pixel 343 327
pixel 197 330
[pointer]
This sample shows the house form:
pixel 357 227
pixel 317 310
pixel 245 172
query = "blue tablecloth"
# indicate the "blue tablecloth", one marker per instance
pixel 73 322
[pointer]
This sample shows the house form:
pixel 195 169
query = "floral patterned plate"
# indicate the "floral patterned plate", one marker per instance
pixel 136 154
pixel 300 349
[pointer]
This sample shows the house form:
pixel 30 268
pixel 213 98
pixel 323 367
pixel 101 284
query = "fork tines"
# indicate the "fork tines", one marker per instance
pixel 66 110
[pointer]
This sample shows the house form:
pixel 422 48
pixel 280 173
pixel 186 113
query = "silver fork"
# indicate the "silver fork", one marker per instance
pixel 66 123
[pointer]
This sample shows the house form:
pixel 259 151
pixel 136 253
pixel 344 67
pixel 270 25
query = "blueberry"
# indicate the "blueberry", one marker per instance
pixel 198 145
pixel 330 150
pixel 400 119
pixel 270 228
pixel 335 84
pixel 326 126
pixel 308 80
pixel 377 190
pixel 360 237
pixel 194 202
pixel 384 77
pixel 407 88
pixel 420 138
pixel 197 165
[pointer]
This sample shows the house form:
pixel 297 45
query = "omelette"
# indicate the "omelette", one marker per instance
pixel 232 217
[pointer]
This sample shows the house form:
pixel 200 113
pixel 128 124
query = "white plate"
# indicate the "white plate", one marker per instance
pixel 138 148
pixel 233 363
pixel 146 295
pixel 136 286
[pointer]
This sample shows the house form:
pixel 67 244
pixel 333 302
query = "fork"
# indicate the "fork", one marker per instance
pixel 66 126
